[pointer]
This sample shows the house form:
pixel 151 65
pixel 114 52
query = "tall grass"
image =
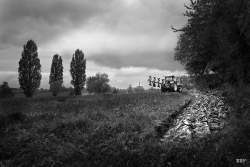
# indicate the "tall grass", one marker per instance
pixel 83 131
pixel 107 130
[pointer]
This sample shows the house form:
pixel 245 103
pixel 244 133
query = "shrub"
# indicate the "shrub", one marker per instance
pixel 130 89
pixel 115 90
pixel 139 89
pixel 5 91
pixel 98 83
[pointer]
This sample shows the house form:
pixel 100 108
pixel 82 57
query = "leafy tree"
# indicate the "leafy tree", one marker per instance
pixel 216 38
pixel 98 83
pixel 139 89
pixel 115 90
pixel 5 90
pixel 130 89
pixel 56 75
pixel 77 70
pixel 29 69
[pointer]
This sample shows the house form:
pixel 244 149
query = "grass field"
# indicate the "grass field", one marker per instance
pixel 111 130
pixel 106 130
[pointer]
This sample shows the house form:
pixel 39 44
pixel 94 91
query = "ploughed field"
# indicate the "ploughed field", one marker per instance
pixel 104 130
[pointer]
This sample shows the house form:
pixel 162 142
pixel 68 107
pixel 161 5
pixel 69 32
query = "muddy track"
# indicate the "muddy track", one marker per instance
pixel 163 126
pixel 204 114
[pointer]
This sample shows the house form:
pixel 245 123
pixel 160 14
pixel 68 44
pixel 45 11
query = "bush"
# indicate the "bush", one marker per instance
pixel 139 89
pixel 5 91
pixel 115 91
pixel 130 89
pixel 98 84
pixel 208 82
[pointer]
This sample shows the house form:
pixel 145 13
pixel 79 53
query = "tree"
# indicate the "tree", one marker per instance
pixel 98 83
pixel 216 38
pixel 139 89
pixel 77 70
pixel 29 69
pixel 130 89
pixel 115 90
pixel 5 91
pixel 56 75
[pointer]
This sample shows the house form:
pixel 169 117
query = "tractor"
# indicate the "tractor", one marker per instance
pixel 169 84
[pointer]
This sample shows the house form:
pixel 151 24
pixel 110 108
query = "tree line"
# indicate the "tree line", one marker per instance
pixel 29 73
pixel 216 40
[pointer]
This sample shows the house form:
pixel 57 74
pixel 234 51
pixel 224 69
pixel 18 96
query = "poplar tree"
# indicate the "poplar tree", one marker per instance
pixel 56 75
pixel 77 70
pixel 29 71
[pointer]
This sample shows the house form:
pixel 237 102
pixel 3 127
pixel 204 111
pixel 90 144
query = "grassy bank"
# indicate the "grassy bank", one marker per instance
pixel 115 130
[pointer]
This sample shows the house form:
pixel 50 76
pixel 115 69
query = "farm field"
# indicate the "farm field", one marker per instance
pixel 106 130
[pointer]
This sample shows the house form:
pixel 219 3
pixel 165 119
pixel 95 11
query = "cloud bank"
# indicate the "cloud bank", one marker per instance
pixel 113 34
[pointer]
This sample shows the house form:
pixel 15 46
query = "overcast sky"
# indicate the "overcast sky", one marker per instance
pixel 127 39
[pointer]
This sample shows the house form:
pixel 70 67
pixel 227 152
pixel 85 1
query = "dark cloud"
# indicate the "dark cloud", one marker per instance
pixel 154 59
pixel 113 33
pixel 44 19
pixel 145 16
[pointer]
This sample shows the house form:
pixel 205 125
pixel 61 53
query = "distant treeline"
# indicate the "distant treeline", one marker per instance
pixel 29 75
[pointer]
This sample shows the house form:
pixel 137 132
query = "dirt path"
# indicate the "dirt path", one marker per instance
pixel 206 114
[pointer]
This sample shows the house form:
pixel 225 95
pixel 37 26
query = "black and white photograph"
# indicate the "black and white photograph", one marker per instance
pixel 124 83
